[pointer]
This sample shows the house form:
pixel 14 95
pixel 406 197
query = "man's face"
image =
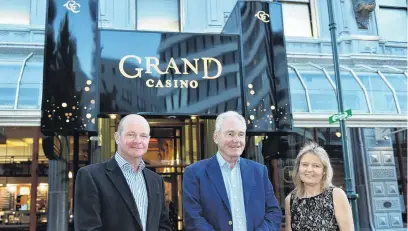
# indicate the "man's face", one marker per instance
pixel 231 137
pixel 133 141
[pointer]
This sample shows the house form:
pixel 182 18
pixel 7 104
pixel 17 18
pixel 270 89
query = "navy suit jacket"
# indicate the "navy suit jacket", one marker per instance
pixel 205 200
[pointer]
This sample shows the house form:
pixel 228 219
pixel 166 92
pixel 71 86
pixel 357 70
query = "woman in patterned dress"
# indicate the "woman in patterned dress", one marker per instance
pixel 315 204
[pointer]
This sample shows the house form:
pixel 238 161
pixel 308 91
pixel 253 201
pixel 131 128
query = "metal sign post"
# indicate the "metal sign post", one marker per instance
pixel 350 188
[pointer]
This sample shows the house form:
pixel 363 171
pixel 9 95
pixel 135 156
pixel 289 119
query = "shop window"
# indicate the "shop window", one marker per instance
pixel 392 22
pixel 299 18
pixel 15 12
pixel 283 183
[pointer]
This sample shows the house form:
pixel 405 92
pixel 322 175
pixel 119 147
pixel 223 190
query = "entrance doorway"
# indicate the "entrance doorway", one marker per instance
pixel 174 144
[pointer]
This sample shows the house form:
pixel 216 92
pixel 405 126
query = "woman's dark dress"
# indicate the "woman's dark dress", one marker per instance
pixel 313 213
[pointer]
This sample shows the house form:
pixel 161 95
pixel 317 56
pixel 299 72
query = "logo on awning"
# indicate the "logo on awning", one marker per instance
pixel 261 15
pixel 72 6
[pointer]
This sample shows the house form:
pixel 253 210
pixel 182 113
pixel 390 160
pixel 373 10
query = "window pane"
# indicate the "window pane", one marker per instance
pixel 15 12
pixel 392 24
pixel 297 93
pixel 321 93
pixel 399 83
pixel 7 95
pixel 296 19
pixel 29 96
pixel 9 72
pixel 33 73
pixel 30 88
pixel 380 95
pixel 8 83
pixel 158 15
pixel 353 95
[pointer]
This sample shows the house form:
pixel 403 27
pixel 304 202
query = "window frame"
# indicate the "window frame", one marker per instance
pixel 388 6
pixel 179 10
pixel 27 25
pixel 314 17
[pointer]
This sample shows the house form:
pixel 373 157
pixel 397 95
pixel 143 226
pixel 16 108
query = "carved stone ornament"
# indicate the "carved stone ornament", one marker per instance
pixel 362 10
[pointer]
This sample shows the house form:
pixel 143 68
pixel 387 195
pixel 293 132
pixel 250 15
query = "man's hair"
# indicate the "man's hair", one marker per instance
pixel 229 114
pixel 315 149
pixel 122 121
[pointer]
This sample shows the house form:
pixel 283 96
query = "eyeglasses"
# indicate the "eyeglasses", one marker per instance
pixel 134 136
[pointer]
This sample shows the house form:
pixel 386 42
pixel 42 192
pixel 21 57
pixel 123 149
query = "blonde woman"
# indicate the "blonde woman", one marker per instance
pixel 315 204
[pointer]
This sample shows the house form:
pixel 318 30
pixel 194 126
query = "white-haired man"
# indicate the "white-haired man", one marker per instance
pixel 227 192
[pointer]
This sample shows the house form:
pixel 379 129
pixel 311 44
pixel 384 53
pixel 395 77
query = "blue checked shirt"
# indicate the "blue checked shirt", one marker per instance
pixel 233 184
pixel 137 186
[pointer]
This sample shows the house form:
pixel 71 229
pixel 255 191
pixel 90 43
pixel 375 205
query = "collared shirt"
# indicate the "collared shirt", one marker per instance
pixel 233 184
pixel 137 185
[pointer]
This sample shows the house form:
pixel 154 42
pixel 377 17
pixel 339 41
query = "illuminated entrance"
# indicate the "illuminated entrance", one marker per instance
pixel 178 81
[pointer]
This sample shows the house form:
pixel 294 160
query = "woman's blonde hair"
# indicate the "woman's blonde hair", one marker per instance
pixel 315 149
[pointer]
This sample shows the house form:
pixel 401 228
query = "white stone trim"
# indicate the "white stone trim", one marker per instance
pixel 20 118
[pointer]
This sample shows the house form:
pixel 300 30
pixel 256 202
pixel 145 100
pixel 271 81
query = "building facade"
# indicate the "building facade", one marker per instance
pixel 372 42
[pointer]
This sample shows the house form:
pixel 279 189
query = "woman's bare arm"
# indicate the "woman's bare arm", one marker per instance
pixel 287 214
pixel 342 210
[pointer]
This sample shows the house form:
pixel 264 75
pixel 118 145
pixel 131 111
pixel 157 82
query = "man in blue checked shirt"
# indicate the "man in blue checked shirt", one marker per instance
pixel 121 194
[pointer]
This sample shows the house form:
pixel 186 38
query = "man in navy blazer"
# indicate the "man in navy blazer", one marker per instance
pixel 227 192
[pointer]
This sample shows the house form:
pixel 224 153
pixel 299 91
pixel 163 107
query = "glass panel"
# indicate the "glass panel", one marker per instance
pixel 380 95
pixel 8 83
pixel 9 72
pixel 297 93
pixel 353 95
pixel 321 93
pixel 29 96
pixel 15 12
pixel 395 17
pixel 31 86
pixel 158 15
pixel 296 19
pixel 399 83
pixel 7 95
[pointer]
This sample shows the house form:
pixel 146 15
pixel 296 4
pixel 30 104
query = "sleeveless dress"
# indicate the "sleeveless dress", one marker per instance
pixel 313 213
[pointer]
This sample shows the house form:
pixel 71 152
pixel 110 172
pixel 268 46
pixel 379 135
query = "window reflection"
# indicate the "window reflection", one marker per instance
pixel 15 12
pixel 297 19
pixel 157 15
